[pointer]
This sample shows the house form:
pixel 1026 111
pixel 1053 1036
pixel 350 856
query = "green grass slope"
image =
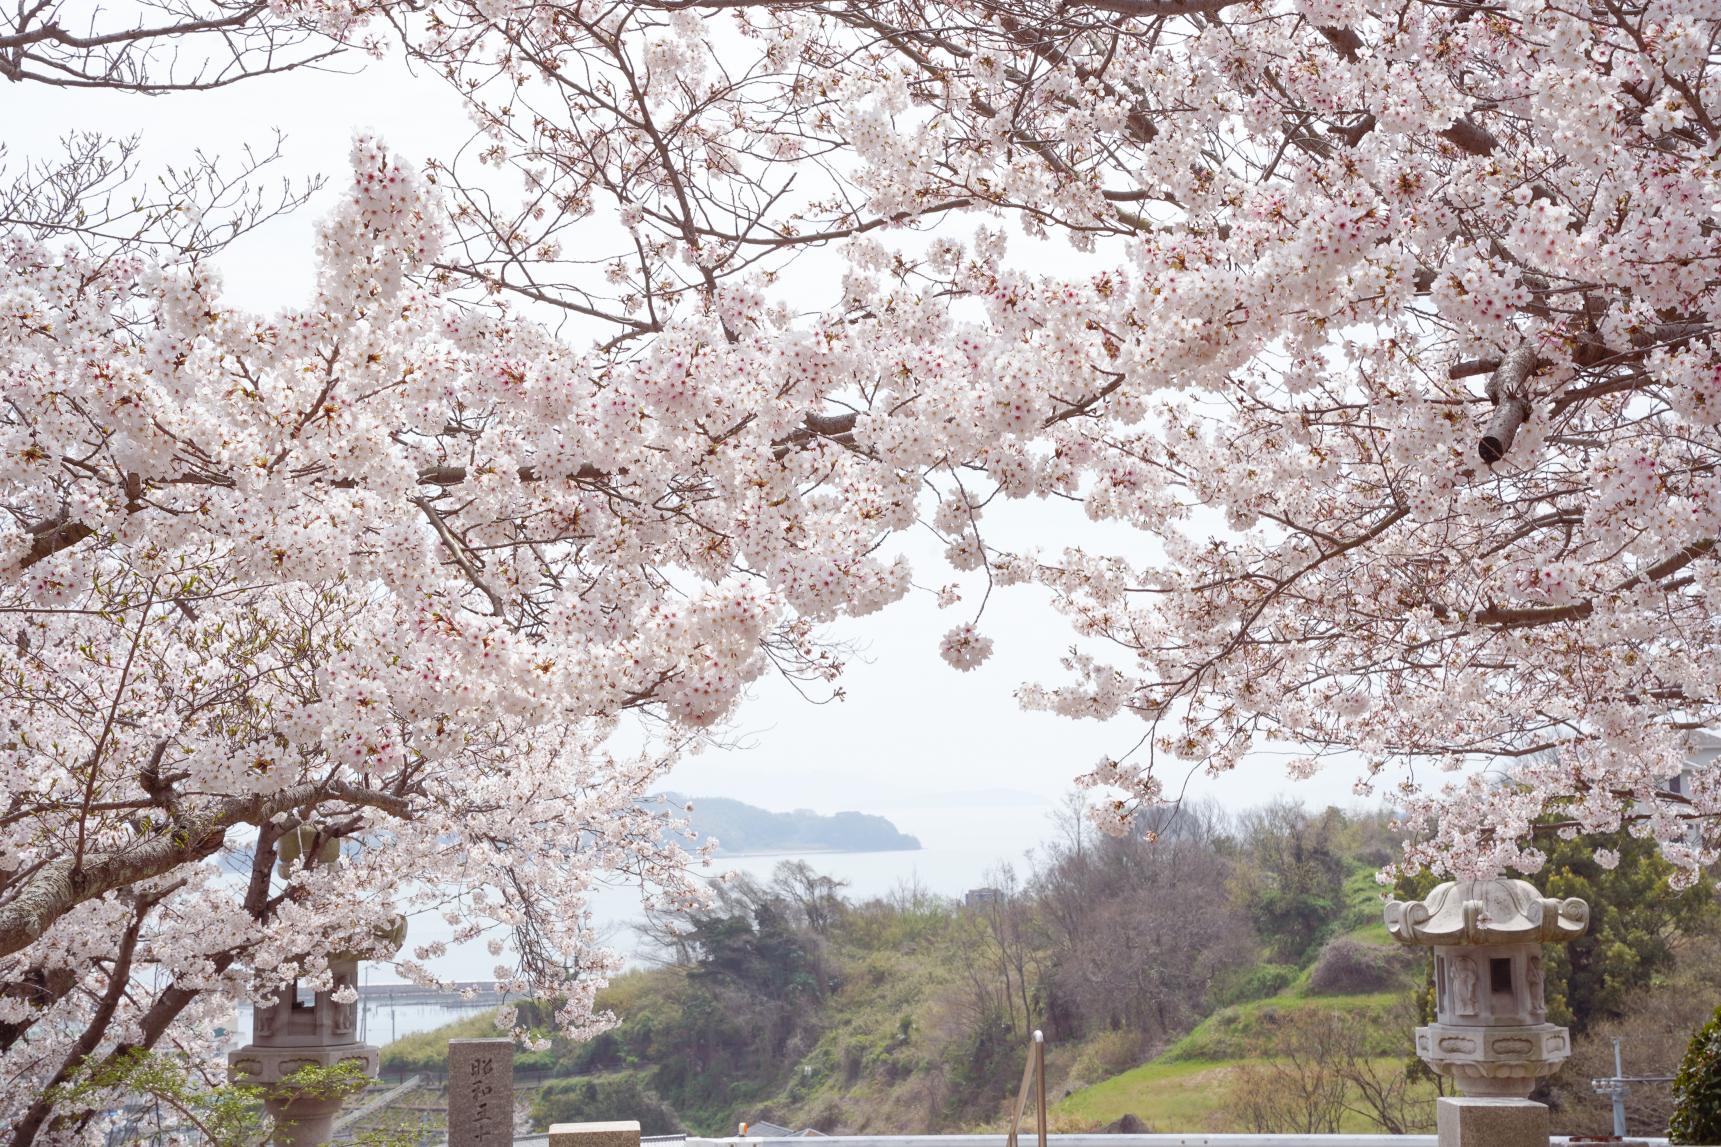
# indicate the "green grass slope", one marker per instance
pixel 1186 1087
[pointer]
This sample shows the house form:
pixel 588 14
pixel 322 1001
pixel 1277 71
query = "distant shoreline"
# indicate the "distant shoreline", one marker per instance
pixel 762 853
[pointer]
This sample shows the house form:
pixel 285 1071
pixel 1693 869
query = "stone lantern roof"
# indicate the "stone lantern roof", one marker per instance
pixel 1498 911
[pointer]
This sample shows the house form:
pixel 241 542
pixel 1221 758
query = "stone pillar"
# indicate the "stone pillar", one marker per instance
pixel 480 1092
pixel 302 1120
pixel 621 1134
pixel 1477 1122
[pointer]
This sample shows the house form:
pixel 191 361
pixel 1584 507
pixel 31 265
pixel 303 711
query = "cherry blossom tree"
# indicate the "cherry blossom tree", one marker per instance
pixel 255 639
pixel 1388 329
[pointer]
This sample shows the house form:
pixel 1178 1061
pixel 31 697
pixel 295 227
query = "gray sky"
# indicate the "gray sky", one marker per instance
pixel 911 727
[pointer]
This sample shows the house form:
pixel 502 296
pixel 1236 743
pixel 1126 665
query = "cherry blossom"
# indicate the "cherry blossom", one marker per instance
pixel 1387 336
pixel 965 648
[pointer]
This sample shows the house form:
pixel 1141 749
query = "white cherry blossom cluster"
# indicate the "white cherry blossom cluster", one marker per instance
pixel 965 648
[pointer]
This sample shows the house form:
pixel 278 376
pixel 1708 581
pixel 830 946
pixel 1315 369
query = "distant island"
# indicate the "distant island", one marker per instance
pixel 743 828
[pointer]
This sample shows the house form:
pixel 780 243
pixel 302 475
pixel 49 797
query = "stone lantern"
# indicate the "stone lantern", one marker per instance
pixel 1490 1036
pixel 307 1028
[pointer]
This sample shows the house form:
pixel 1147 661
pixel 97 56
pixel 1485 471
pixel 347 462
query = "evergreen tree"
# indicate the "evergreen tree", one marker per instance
pixel 1697 1089
pixel 1635 916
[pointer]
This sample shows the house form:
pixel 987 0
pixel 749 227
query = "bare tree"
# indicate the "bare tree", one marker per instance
pixel 1317 1065
pixel 1655 1029
pixel 817 898
pixel 157 46
pixel 1300 1091
pixel 1383 1087
pixel 92 189
pixel 93 192
pixel 1141 926
pixel 1002 952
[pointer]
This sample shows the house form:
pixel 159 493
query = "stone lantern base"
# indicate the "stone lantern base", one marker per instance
pixel 1491 1123
pixel 300 1120
pixel 1500 1062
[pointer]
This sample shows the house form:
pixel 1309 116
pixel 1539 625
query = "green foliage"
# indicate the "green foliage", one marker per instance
pixel 1250 1030
pixel 1253 982
pixel 1697 1089
pixel 1635 915
pixel 224 1114
pixel 716 1032
pixel 787 1002
pixel 1363 900
pixel 337 1081
pixel 1108 1054
pixel 1193 1095
pixel 756 949
pixel 227 1115
pixel 902 925
pixel 428 1050
pixel 1165 1094
pixel 987 1060
pixel 1294 885
pixel 885 1047
pixel 603 1098
pixel 385 1137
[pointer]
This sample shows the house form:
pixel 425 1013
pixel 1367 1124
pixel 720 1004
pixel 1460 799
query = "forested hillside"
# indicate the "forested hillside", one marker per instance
pixel 1210 972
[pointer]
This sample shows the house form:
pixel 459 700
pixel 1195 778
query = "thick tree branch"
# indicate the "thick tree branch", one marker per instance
pixel 51 537
pixel 61 885
pixel 119 979
pixel 41 988
pixel 1508 617
pixel 1508 390
pixel 1157 9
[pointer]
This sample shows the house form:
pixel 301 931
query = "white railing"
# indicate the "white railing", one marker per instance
pixel 1186 1139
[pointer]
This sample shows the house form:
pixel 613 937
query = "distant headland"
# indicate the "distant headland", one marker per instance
pixel 741 828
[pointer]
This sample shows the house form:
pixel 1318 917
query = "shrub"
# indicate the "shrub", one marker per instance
pixel 603 1099
pixel 1127 1124
pixel 1697 1089
pixel 854 1058
pixel 1253 983
pixel 428 1050
pixel 984 1063
pixel 1349 967
pixel 1108 1054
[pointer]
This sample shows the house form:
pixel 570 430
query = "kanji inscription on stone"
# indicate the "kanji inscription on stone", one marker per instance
pixel 480 1092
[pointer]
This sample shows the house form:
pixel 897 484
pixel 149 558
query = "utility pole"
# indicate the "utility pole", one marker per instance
pixel 1618 1085
pixel 1619 1092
